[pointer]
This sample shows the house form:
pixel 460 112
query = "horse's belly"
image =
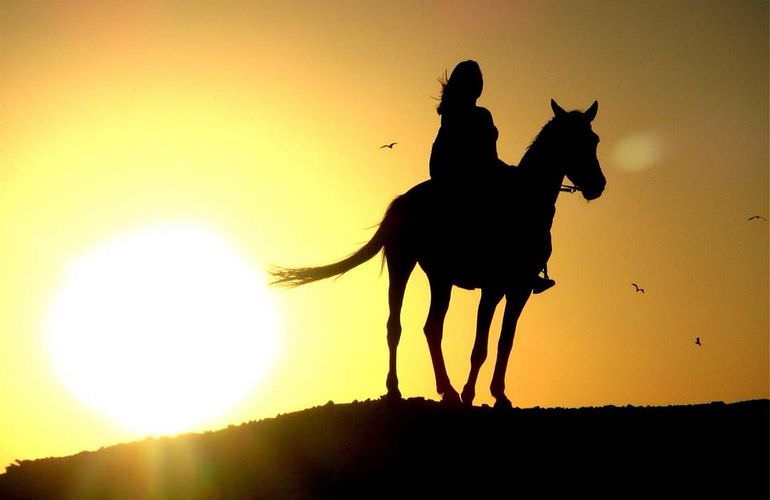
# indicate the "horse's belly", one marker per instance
pixel 483 261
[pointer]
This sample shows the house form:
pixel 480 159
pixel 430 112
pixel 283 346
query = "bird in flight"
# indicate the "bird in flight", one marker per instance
pixel 640 290
pixel 697 341
pixel 756 217
pixel 388 145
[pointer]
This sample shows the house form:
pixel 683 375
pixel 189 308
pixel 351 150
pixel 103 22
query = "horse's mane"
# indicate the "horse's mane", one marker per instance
pixel 554 125
pixel 542 137
pixel 546 134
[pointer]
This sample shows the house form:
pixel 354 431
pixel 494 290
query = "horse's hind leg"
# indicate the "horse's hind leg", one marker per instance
pixel 489 300
pixel 440 293
pixel 514 303
pixel 399 269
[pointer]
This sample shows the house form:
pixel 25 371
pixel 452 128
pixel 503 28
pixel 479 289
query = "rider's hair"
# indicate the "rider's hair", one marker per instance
pixel 463 85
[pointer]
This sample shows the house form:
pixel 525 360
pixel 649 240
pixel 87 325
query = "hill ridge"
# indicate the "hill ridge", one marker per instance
pixel 377 448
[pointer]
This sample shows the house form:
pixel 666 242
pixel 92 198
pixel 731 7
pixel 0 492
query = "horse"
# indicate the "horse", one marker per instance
pixel 498 242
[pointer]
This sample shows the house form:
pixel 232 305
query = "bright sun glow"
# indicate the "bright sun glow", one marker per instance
pixel 162 328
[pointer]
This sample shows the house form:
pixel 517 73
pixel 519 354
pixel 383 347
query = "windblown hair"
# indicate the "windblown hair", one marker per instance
pixel 465 82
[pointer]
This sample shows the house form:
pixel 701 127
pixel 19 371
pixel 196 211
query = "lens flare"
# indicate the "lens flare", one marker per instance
pixel 638 151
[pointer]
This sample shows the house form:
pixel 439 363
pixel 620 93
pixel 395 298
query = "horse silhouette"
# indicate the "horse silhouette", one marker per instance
pixel 492 234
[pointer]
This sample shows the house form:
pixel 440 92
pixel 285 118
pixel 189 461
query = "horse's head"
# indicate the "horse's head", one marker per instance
pixel 577 149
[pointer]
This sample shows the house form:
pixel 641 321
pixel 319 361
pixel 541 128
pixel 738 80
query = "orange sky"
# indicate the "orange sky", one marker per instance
pixel 264 122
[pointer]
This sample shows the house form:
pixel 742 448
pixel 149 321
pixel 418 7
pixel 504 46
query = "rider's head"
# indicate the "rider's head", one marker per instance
pixel 462 88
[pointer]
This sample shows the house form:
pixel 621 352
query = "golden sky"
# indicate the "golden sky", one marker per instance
pixel 262 121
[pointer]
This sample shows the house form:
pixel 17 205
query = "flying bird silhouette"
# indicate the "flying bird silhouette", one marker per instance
pixel 759 217
pixel 388 145
pixel 697 341
pixel 640 290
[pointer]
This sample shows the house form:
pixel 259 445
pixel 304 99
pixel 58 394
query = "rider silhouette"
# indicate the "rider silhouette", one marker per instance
pixel 463 158
pixel 465 148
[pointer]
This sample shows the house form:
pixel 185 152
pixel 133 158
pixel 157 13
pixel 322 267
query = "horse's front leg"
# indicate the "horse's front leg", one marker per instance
pixel 514 303
pixel 487 305
pixel 440 293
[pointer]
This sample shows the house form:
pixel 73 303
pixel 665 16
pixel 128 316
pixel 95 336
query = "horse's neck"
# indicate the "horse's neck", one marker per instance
pixel 541 177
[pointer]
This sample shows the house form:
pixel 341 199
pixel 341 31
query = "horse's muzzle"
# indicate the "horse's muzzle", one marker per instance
pixel 594 192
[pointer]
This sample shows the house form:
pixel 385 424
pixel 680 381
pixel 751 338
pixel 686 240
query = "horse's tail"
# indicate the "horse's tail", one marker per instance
pixel 292 277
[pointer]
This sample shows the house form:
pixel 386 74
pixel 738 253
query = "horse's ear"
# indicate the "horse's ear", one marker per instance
pixel 591 112
pixel 557 110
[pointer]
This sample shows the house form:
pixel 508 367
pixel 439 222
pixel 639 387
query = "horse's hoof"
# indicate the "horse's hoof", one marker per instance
pixel 467 397
pixel 393 396
pixel 503 404
pixel 451 398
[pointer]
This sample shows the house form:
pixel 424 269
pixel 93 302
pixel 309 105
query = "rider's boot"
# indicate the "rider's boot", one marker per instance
pixel 541 284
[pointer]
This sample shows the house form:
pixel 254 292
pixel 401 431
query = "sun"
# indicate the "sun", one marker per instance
pixel 162 328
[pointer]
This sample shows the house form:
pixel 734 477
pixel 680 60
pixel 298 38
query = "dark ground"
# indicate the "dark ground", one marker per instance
pixel 421 449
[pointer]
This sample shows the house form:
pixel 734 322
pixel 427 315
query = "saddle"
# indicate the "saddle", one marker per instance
pixel 490 237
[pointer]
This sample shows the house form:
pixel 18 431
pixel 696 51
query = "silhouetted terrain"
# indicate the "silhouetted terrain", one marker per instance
pixel 419 448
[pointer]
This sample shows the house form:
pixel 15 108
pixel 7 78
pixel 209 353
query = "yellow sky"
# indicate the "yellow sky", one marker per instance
pixel 264 122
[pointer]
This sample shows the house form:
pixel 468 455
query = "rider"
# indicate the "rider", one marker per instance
pixel 464 153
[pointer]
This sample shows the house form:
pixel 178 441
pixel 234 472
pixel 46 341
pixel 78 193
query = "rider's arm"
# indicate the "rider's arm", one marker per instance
pixel 488 133
pixel 436 156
